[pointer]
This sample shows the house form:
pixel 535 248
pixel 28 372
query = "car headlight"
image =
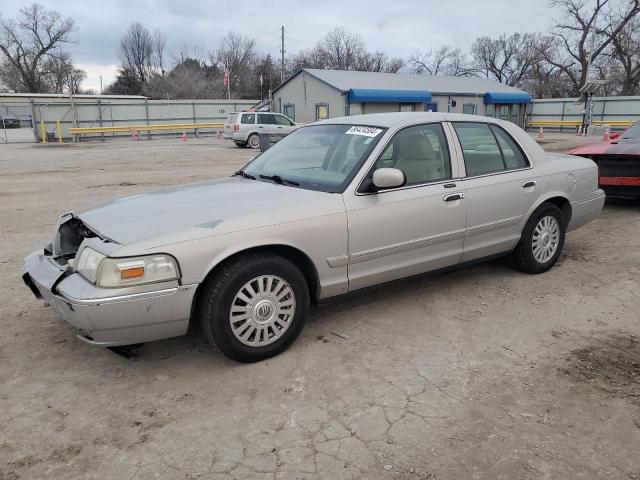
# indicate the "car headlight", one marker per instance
pixel 123 272
pixel 88 263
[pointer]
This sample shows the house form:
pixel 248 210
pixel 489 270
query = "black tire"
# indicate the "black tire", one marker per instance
pixel 253 141
pixel 241 144
pixel 219 291
pixel 523 255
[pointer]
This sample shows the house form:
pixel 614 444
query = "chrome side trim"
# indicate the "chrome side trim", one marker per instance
pixel 374 253
pixel 487 227
pixel 118 298
pixel 340 261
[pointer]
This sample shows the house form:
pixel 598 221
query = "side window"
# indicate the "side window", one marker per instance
pixel 469 108
pixel 511 153
pixel 265 119
pixel 248 118
pixel 322 111
pixel 421 152
pixel 479 148
pixel 488 149
pixel 280 120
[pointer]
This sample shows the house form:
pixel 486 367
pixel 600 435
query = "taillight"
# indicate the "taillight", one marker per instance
pixel 236 128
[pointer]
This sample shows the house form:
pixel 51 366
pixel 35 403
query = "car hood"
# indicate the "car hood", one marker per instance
pixel 202 209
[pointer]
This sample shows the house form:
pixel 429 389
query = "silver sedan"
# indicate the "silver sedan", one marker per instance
pixel 336 206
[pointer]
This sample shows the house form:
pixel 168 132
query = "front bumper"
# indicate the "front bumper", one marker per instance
pixel 110 317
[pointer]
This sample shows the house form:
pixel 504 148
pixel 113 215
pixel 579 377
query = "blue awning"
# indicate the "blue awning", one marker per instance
pixel 375 95
pixel 506 97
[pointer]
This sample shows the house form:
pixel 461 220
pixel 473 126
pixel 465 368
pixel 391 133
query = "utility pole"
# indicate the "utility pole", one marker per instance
pixel 282 56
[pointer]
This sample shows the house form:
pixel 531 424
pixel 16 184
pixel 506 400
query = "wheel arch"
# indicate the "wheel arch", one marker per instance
pixel 558 199
pixel 291 253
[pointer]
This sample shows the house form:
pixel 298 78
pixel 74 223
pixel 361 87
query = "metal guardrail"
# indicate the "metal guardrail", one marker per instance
pixel 146 128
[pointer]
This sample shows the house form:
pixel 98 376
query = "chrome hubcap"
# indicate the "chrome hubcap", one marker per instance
pixel 262 310
pixel 546 238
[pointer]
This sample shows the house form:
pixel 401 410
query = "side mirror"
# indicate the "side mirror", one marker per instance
pixel 614 136
pixel 388 178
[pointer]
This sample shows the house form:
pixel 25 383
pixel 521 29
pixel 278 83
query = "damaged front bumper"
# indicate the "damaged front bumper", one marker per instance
pixel 110 317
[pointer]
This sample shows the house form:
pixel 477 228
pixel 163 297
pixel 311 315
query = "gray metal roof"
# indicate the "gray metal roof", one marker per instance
pixel 345 80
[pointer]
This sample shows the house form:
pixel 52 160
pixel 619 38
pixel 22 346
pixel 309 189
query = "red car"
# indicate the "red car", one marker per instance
pixel 618 162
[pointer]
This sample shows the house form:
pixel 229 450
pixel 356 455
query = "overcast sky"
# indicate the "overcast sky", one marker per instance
pixel 398 27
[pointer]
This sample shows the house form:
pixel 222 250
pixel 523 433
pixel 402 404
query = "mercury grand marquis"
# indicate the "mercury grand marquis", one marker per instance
pixel 336 206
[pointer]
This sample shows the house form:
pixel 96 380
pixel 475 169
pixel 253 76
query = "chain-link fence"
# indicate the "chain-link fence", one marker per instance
pixel 16 122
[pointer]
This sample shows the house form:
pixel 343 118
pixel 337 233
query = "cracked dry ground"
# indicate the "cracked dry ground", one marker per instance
pixel 477 373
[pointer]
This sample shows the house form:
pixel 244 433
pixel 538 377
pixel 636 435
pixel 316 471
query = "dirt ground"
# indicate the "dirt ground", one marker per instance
pixel 481 373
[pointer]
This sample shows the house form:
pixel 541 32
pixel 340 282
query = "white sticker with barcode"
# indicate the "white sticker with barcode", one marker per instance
pixel 364 131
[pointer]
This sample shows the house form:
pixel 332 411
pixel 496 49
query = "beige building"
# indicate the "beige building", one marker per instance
pixel 314 94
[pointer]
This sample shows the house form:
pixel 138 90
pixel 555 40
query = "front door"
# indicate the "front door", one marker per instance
pixel 499 185
pixel 419 227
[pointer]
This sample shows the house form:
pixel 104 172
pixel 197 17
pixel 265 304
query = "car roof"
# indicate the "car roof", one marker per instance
pixel 393 119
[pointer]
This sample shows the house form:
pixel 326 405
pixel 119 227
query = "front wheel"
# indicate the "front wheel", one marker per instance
pixel 255 307
pixel 542 240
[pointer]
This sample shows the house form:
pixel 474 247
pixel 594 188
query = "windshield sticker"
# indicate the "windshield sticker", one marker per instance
pixel 364 131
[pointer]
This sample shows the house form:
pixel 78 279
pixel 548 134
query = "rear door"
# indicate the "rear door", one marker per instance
pixel 266 124
pixel 501 188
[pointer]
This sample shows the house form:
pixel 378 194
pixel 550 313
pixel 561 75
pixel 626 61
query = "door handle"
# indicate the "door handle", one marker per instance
pixel 453 197
pixel 529 184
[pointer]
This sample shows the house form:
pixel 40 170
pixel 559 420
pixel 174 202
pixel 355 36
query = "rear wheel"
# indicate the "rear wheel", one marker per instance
pixel 542 240
pixel 255 306
pixel 254 140
pixel 241 144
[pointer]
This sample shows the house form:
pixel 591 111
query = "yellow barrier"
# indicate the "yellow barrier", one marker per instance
pixel 575 123
pixel 146 128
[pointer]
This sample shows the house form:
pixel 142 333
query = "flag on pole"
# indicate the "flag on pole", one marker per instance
pixel 226 77
pixel 261 80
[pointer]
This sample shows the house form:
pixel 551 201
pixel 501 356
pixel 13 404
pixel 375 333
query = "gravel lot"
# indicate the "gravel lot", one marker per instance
pixel 473 374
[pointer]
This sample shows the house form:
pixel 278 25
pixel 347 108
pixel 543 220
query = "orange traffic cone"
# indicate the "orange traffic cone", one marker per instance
pixel 605 135
pixel 218 135
pixel 134 135
pixel 184 136
pixel 541 132
pixel 578 130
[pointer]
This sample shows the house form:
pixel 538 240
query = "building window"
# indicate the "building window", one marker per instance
pixel 290 111
pixel 407 107
pixel 322 111
pixel 469 108
pixel 431 106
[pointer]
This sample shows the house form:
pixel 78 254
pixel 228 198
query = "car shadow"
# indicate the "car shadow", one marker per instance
pixel 174 353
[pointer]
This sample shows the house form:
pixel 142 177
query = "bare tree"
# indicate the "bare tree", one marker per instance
pixel 626 52
pixel 507 59
pixel 607 18
pixel 136 51
pixel 434 62
pixel 378 61
pixel 341 50
pixel 26 42
pixel 235 55
pixel 159 44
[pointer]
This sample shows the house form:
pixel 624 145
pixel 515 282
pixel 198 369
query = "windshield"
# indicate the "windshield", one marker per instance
pixel 632 132
pixel 318 157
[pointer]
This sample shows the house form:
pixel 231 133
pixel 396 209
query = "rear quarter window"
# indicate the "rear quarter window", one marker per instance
pixel 232 118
